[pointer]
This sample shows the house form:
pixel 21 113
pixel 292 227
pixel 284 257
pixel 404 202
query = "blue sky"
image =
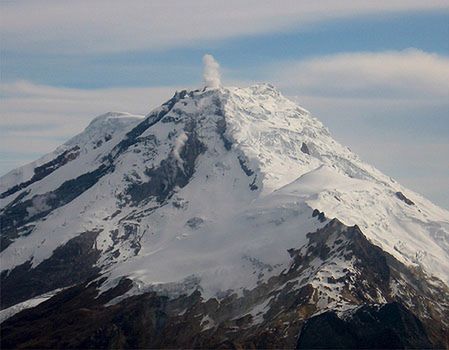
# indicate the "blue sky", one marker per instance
pixel 376 73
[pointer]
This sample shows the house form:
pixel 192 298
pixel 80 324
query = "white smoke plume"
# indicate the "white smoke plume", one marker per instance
pixel 211 73
pixel 179 145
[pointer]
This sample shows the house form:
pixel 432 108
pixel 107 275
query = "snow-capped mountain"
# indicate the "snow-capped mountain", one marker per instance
pixel 230 213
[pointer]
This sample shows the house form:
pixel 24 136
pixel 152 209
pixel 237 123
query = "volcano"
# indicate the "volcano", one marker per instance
pixel 227 217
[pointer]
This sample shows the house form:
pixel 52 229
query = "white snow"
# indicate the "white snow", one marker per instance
pixel 28 304
pixel 207 323
pixel 259 311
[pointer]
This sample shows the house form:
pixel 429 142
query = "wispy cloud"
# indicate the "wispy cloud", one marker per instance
pixel 85 27
pixel 410 74
pixel 38 118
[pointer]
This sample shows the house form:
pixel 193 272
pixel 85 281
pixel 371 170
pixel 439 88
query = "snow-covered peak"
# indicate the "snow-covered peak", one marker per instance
pixel 114 117
pixel 105 126
pixel 214 183
pixel 99 131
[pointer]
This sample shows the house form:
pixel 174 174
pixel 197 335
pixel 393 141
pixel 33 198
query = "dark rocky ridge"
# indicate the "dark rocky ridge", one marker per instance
pixel 70 264
pixel 390 326
pixel 403 198
pixel 168 174
pixel 414 317
pixel 17 214
pixel 45 169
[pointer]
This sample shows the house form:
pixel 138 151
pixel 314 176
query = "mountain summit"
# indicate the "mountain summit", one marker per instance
pixel 226 217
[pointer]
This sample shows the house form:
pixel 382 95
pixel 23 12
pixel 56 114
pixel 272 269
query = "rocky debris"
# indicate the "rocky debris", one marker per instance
pixel 249 172
pixel 304 148
pixel 252 185
pixel 403 198
pixel 319 215
pixel 194 223
pixel 243 164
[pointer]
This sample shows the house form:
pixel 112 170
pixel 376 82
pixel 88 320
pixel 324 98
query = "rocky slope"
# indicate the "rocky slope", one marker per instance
pixel 226 217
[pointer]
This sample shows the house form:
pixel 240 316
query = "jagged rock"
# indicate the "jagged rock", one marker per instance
pixel 390 326
pixel 305 149
pixel 403 198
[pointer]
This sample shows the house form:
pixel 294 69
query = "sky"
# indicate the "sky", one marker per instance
pixel 376 73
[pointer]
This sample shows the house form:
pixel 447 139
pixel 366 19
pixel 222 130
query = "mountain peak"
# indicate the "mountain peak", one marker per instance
pixel 220 191
pixel 112 117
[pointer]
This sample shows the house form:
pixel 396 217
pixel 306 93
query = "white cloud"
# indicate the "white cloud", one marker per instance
pixel 38 118
pixel 85 26
pixel 30 104
pixel 405 75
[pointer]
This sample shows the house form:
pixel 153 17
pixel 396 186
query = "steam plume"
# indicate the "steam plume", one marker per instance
pixel 211 73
